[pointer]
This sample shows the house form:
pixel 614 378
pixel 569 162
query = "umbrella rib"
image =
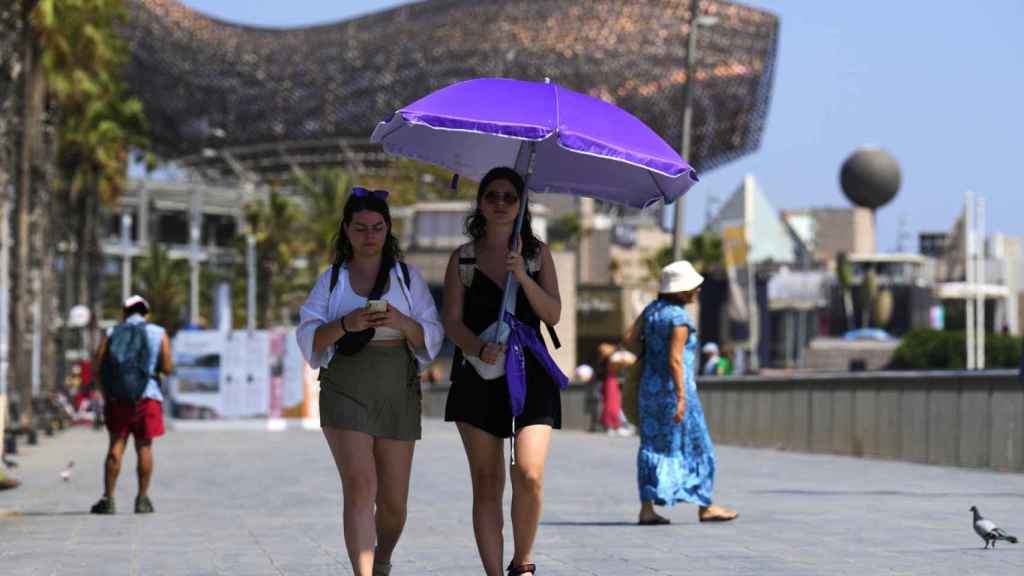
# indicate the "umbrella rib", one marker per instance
pixel 391 130
pixel 658 185
pixel 558 111
pixel 623 160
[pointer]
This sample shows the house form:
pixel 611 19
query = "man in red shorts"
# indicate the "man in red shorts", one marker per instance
pixel 129 357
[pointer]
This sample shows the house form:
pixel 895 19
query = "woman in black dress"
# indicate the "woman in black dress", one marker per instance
pixel 473 289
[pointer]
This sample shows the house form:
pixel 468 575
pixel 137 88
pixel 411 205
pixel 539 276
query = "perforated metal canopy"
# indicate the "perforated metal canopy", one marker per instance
pixel 231 97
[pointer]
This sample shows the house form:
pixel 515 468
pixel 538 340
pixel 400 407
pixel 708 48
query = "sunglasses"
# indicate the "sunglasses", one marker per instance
pixel 508 198
pixel 360 192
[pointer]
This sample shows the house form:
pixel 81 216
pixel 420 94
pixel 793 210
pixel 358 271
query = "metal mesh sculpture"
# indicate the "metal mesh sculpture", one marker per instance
pixel 277 97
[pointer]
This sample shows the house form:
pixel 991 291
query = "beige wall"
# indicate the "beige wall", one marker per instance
pixel 850 230
pixel 565 357
pixel 630 264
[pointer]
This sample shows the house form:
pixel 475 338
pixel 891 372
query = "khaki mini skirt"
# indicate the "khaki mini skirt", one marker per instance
pixel 376 391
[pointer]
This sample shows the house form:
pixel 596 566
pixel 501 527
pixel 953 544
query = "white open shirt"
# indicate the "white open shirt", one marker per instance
pixel 323 306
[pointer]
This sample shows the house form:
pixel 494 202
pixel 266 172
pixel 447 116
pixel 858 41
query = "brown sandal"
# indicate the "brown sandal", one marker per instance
pixel 656 521
pixel 720 515
pixel 521 569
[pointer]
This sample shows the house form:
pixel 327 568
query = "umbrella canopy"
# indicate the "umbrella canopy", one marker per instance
pixel 581 145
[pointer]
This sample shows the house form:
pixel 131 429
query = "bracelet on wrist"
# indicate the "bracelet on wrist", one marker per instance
pixel 480 354
pixel 343 327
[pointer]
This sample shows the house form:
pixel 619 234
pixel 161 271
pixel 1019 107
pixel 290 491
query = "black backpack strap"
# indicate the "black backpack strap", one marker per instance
pixel 334 277
pixel 554 336
pixel 335 270
pixel 386 265
pixel 406 276
pixel 467 263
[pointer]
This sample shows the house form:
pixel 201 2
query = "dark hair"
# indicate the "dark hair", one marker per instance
pixel 137 308
pixel 343 246
pixel 476 223
pixel 680 298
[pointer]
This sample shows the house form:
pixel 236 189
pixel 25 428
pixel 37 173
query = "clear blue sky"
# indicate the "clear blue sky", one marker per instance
pixel 940 84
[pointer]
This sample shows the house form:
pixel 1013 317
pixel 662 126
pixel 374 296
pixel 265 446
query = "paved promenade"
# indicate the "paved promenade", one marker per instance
pixel 256 503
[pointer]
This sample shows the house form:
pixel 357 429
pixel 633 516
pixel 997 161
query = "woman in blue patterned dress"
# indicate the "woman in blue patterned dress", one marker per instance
pixel 676 462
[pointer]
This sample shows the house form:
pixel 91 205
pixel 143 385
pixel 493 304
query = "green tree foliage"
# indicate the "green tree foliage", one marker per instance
pixel 940 350
pixel 283 278
pixel 97 125
pixel 844 275
pixel 324 200
pixel 564 231
pixel 163 282
pixel 409 181
pixel 704 251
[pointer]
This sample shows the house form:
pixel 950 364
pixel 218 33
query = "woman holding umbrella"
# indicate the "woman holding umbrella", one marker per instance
pixel 481 407
pixel 676 462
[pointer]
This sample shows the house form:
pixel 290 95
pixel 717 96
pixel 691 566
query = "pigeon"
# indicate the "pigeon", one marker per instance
pixel 65 474
pixel 988 531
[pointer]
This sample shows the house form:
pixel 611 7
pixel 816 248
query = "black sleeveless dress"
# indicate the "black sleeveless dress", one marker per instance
pixel 485 403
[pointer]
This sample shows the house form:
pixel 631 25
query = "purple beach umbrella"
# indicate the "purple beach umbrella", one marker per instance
pixel 581 145
pixel 560 141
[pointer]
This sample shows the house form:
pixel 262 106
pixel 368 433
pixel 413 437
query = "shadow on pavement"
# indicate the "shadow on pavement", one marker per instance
pixel 900 493
pixel 595 523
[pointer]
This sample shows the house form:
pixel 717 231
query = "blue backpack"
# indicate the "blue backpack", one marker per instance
pixel 124 372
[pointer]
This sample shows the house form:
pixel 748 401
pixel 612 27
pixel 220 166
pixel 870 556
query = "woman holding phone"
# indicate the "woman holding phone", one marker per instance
pixel 370 326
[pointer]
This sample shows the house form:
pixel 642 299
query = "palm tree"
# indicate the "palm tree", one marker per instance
pixel 844 275
pixel 281 246
pixel 10 34
pixel 324 197
pixel 71 57
pixel 158 278
pixel 97 125
pixel 32 103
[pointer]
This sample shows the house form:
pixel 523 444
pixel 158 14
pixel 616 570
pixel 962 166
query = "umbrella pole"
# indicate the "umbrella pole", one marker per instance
pixel 523 162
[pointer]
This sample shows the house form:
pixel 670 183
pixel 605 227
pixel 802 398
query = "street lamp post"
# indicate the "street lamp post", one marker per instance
pixel 126 259
pixel 679 222
pixel 250 285
pixel 193 241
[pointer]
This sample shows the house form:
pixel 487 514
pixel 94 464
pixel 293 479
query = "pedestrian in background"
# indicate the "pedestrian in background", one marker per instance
pixel 129 358
pixel 725 366
pixel 370 326
pixel 676 460
pixel 711 360
pixel 611 394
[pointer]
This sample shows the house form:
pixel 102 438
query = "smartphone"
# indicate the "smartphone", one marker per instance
pixel 377 305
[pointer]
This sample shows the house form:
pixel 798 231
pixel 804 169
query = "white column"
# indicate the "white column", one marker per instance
pixel 755 319
pixel 250 287
pixel 979 279
pixel 142 238
pixel 969 276
pixel 37 333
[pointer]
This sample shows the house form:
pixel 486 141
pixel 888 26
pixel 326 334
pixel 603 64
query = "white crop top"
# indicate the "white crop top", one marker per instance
pixel 395 296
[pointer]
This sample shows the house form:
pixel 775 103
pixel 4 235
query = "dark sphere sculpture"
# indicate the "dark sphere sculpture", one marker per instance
pixel 870 177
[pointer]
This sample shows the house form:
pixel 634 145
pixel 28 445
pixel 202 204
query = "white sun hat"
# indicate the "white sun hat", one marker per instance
pixel 624 357
pixel 135 299
pixel 679 276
